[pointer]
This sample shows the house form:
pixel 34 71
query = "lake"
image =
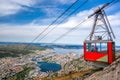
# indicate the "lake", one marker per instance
pixel 47 66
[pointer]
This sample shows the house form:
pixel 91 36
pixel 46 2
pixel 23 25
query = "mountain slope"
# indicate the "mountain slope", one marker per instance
pixel 111 72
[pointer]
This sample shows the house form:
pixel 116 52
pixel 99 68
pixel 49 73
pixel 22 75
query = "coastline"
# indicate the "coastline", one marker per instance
pixel 71 65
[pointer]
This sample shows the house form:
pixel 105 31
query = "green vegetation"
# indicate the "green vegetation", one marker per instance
pixel 48 59
pixel 45 59
pixel 79 67
pixel 21 75
pixel 78 60
pixel 16 50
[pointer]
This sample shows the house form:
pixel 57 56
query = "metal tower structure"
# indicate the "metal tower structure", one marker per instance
pixel 101 30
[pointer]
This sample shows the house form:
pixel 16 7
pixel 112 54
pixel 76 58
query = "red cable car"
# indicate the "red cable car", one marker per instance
pixel 98 52
pixel 99 46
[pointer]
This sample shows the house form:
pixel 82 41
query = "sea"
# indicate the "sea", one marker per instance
pixel 66 51
pixel 58 48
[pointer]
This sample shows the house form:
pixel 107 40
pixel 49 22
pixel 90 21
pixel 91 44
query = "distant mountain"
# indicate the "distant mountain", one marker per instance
pixel 61 46
pixel 48 45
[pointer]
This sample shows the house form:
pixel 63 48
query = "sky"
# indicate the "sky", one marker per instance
pixel 23 20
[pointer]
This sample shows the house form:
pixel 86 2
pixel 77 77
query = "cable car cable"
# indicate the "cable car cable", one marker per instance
pixel 78 24
pixel 53 28
pixel 51 24
pixel 74 28
pixel 63 20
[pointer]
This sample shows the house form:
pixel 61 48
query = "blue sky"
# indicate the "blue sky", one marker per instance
pixel 23 20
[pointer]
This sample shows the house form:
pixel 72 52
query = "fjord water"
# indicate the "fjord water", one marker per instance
pixel 66 51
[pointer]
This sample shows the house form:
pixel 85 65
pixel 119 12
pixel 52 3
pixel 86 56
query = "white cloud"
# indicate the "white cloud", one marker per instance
pixel 66 1
pixel 30 31
pixel 8 7
pixel 78 18
pixel 115 19
pixel 24 2
pixel 52 11
pixel 45 21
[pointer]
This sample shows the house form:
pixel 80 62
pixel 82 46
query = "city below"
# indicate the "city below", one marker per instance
pixel 42 61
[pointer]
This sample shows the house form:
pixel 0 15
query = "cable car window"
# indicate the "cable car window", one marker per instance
pixel 88 47
pixel 97 47
pixel 91 47
pixel 103 47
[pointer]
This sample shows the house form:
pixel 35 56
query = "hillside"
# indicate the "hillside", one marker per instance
pixel 16 50
pixel 79 69
pixel 111 72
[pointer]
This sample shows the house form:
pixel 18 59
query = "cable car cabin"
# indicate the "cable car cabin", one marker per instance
pixel 99 45
pixel 99 51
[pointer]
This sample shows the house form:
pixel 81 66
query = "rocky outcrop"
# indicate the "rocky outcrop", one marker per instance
pixel 111 72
